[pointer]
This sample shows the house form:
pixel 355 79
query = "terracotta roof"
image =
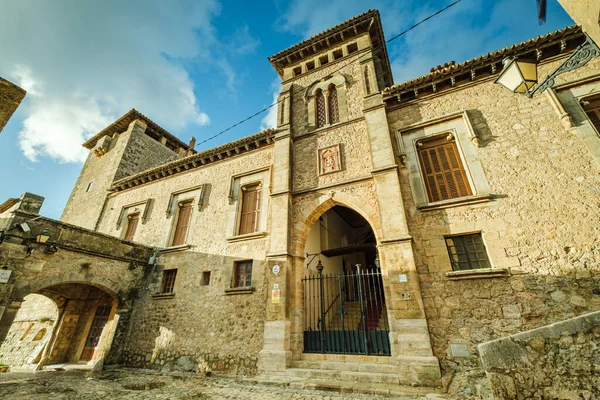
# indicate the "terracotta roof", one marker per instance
pixel 8 204
pixel 197 160
pixel 558 37
pixel 120 125
pixel 368 21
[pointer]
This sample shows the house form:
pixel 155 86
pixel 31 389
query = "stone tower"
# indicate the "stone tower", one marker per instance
pixel 130 145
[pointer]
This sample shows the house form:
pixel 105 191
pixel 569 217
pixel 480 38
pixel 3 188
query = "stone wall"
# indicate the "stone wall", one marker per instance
pixel 585 13
pixel 29 332
pixel 558 361
pixel 10 97
pixel 541 222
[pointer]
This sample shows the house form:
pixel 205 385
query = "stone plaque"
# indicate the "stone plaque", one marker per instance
pixel 5 275
pixel 402 278
pixel 459 350
pixel 329 159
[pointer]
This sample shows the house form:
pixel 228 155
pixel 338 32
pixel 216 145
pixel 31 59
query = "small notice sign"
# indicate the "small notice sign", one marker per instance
pixel 276 269
pixel 275 296
pixel 5 275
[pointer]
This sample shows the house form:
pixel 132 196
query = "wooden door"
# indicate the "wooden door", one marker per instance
pixel 95 333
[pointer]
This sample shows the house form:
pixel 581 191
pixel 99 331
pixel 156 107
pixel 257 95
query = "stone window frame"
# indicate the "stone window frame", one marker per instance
pixel 467 141
pixel 196 195
pixel 567 99
pixel 142 207
pixel 261 177
pixel 341 85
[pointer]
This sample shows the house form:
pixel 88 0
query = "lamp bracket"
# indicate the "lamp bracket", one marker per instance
pixel 582 55
pixel 312 258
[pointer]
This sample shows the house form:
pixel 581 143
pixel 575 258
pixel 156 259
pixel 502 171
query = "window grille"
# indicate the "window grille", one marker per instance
pixel 249 218
pixel 183 223
pixel 132 223
pixel 467 252
pixel 592 109
pixel 334 112
pixel 320 108
pixel 243 274
pixel 168 281
pixel 443 172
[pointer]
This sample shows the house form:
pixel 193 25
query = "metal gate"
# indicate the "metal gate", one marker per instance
pixel 345 314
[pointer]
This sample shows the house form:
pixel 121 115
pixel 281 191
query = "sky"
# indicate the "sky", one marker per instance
pixel 196 67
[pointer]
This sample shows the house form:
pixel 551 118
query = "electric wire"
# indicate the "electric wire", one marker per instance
pixel 331 73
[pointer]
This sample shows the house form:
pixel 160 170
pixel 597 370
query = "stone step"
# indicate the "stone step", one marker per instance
pixel 347 376
pixel 355 358
pixel 346 366
pixel 394 391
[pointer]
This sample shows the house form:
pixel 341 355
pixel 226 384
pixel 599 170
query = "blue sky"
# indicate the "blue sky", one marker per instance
pixel 196 67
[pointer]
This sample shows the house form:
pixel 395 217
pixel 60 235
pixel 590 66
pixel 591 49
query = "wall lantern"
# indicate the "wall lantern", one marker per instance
pixel 518 76
pixel 376 262
pixel 43 236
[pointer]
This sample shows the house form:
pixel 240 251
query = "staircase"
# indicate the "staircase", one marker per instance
pixel 374 317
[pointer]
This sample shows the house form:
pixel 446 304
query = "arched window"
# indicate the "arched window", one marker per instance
pixel 320 106
pixel 334 112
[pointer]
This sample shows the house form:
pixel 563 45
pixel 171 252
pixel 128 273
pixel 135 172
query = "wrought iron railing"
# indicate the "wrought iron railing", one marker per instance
pixel 345 314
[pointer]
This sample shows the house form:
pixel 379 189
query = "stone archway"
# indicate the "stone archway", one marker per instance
pixel 84 326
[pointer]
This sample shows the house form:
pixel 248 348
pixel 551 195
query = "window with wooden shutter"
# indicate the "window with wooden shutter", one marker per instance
pixel 168 281
pixel 243 274
pixel 250 212
pixel 592 109
pixel 132 223
pixel 320 109
pixel 183 223
pixel 467 252
pixel 442 168
pixel 334 112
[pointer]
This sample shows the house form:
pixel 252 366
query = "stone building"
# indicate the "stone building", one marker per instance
pixel 10 97
pixel 379 233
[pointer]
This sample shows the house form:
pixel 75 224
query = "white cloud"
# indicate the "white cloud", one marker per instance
pixel 86 63
pixel 270 119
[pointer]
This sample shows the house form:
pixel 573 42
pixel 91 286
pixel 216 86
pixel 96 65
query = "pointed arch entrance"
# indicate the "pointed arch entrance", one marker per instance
pixel 344 301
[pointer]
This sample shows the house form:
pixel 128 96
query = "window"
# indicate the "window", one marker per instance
pixel 338 54
pixel 243 274
pixel 592 109
pixel 132 223
pixel 89 187
pixel 183 222
pixel 352 47
pixel 334 114
pixel 467 252
pixel 168 280
pixel 367 83
pixel 320 107
pixel 310 65
pixel 250 211
pixel 27 331
pixel 297 71
pixel 205 278
pixel 40 335
pixel 443 172
pixel 323 60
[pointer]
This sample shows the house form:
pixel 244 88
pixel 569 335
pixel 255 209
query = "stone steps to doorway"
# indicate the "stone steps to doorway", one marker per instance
pixel 330 375
pixel 346 366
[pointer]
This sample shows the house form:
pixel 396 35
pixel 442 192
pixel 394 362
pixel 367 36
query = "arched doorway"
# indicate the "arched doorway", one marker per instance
pixel 78 333
pixel 344 301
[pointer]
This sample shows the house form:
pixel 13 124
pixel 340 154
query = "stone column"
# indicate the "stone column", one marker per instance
pixel 8 316
pixel 409 334
pixel 276 354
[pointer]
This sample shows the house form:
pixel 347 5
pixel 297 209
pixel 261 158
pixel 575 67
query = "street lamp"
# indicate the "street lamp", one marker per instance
pixel 518 76
pixel 43 236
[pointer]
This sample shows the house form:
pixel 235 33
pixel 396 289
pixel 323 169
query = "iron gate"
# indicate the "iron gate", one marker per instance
pixel 345 314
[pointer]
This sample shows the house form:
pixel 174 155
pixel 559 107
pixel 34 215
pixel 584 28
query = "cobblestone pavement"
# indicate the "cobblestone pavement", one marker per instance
pixel 126 384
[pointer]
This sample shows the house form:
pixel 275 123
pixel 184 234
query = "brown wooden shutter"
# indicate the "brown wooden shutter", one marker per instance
pixel 168 283
pixel 250 209
pixel 320 108
pixel 443 172
pixel 183 223
pixel 132 223
pixel 243 274
pixel 334 112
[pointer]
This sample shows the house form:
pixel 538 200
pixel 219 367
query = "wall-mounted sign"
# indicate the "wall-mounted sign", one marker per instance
pixel 402 278
pixel 275 296
pixel 5 275
pixel 276 269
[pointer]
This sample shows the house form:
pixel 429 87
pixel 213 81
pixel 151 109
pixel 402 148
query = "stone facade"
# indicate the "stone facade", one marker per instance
pixel 585 13
pixel 10 97
pixel 531 166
